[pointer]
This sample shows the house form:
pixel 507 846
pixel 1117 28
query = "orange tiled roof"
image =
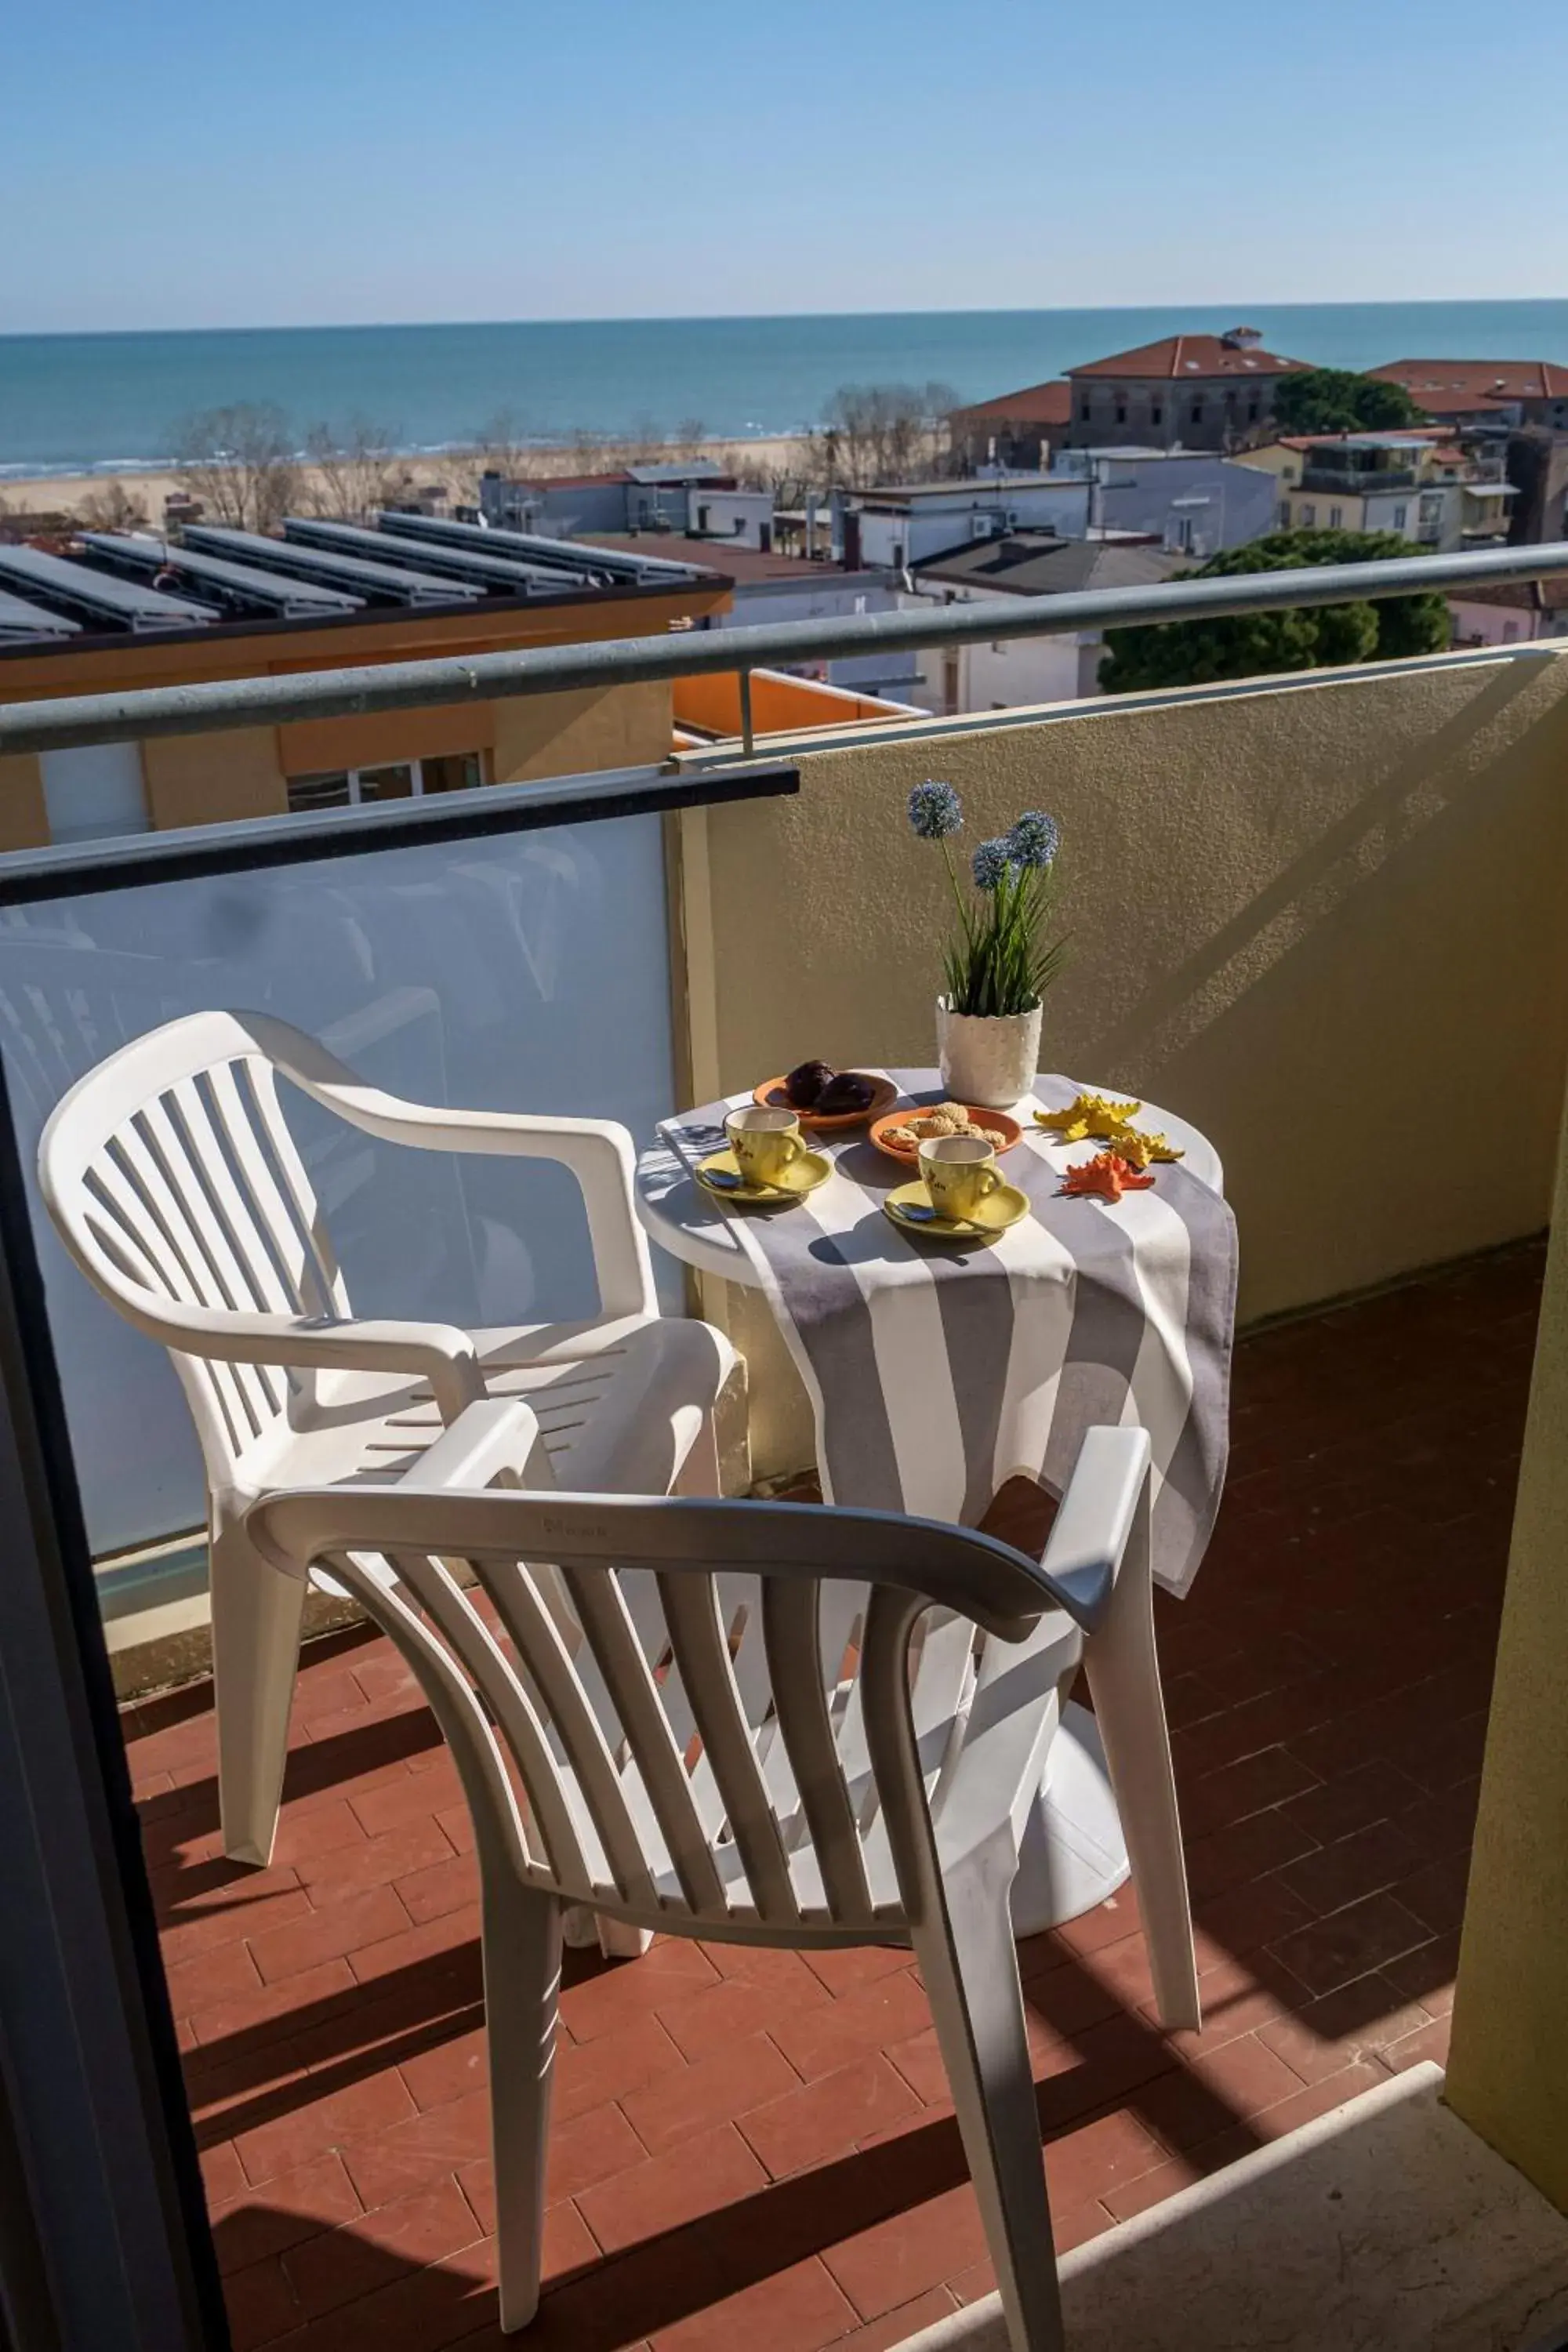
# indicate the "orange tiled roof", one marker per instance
pixel 1037 404
pixel 1190 358
pixel 1453 385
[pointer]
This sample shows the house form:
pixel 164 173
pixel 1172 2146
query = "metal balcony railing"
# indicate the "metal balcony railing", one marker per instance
pixel 1358 479
pixel 69 720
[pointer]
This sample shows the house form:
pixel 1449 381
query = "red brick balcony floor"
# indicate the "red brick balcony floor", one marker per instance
pixel 760 2145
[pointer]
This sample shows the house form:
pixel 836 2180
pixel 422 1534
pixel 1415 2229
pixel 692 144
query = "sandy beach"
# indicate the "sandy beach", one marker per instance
pixel 776 459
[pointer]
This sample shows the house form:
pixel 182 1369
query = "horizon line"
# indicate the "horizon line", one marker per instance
pixel 761 317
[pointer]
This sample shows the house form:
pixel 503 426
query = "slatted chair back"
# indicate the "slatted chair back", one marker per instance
pixel 172 1179
pixel 668 1723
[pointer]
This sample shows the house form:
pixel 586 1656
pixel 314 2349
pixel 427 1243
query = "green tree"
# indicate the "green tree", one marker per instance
pixel 1251 645
pixel 1337 400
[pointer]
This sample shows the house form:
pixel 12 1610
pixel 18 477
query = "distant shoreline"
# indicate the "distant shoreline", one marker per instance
pixel 111 406
pixel 18 474
pixel 151 482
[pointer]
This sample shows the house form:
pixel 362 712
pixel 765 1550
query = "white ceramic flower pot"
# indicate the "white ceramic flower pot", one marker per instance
pixel 988 1060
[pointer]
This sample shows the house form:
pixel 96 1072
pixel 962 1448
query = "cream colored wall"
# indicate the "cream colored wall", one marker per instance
pixel 1508 2069
pixel 211 779
pixel 572 734
pixel 24 819
pixel 1322 922
pixel 1350 505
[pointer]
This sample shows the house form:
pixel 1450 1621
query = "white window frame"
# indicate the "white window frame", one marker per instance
pixel 377 766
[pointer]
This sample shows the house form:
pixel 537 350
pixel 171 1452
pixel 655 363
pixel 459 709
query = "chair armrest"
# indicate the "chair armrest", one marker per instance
pixel 437 1352
pixel 598 1151
pixel 1079 1568
pixel 1090 1532
pixel 494 1443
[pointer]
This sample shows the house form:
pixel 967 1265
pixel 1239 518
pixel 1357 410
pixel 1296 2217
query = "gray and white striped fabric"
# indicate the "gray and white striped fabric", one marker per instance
pixel 936 1372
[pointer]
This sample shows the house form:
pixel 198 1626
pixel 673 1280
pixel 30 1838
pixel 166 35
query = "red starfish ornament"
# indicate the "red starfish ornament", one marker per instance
pixel 1105 1178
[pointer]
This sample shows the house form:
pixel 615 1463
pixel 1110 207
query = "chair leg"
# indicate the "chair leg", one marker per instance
pixel 1124 1670
pixel 522 1945
pixel 584 1930
pixel 257 1612
pixel 969 1964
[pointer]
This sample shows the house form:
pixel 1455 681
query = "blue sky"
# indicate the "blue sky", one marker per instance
pixel 313 161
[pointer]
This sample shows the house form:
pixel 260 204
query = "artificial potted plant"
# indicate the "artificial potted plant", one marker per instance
pixel 1003 957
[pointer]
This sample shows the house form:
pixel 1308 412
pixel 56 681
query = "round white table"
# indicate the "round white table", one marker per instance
pixel 1074 1854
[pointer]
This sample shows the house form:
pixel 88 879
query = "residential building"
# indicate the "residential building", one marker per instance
pixel 1428 486
pixel 122 612
pixel 1183 392
pixel 1510 612
pixel 695 498
pixel 1190 500
pixel 1501 392
pixel 1537 463
pixel 1009 672
pixel 1020 430
pixel 899 524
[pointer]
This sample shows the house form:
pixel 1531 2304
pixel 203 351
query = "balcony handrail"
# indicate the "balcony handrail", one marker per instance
pixel 1357 477
pixel 68 721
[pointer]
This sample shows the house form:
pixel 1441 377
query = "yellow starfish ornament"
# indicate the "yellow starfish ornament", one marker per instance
pixel 1070 1126
pixel 1141 1148
pixel 1096 1114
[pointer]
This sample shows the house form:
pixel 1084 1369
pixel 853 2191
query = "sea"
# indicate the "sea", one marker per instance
pixel 110 403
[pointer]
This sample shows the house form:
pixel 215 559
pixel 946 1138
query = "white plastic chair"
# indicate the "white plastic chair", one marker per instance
pixel 765 1723
pixel 176 1186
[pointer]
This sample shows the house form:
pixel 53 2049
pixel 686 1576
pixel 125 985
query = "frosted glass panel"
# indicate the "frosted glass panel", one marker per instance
pixel 94 791
pixel 527 972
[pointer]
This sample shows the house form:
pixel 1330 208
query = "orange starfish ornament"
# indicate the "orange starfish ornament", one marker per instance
pixel 1105 1178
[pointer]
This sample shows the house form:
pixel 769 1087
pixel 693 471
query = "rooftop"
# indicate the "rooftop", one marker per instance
pixel 1181 358
pixel 740 565
pixel 116 583
pixel 1036 403
pixel 1037 563
pixel 996 484
pixel 1453 386
pixel 753 2144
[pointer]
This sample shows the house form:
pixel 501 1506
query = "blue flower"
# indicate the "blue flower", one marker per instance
pixel 990 862
pixel 935 811
pixel 1035 839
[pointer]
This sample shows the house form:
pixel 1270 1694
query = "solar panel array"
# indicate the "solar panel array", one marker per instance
pixel 115 582
pixel 95 597
pixel 241 589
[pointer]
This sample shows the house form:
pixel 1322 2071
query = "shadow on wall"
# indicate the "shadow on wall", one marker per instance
pixel 1320 918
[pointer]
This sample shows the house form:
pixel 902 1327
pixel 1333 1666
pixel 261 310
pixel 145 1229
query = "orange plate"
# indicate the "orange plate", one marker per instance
pixel 771 1095
pixel 892 1134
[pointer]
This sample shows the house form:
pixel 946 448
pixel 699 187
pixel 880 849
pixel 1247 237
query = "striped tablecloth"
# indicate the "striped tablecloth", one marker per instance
pixel 937 1373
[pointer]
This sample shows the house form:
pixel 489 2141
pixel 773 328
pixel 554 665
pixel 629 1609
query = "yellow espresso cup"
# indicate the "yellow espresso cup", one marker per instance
pixel 959 1172
pixel 766 1142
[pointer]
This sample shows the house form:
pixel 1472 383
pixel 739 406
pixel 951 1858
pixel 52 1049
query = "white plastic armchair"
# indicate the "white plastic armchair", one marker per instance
pixel 176 1186
pixel 766 1723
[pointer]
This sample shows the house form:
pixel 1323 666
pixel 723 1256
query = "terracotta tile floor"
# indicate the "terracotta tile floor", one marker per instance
pixel 760 2144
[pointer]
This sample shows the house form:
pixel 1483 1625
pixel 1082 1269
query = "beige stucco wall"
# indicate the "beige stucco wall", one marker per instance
pixel 211 779
pixel 1507 2070
pixel 572 734
pixel 200 779
pixel 24 819
pixel 1324 923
